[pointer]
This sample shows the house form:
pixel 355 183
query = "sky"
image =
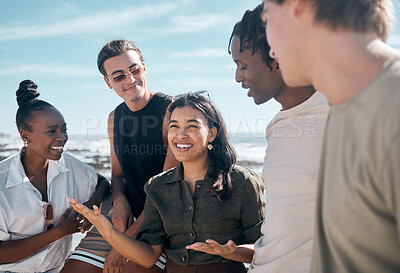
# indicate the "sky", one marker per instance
pixel 184 44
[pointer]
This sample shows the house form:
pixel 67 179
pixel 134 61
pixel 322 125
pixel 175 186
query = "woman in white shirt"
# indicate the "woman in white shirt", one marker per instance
pixel 36 222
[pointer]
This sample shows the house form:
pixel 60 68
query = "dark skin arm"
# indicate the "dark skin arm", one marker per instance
pixel 101 192
pixel 15 250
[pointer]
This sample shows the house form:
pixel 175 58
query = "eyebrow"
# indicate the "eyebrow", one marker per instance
pixel 122 71
pixel 55 126
pixel 190 120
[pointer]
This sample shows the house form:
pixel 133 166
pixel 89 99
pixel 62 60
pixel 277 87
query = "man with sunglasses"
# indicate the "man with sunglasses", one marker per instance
pixel 291 162
pixel 137 130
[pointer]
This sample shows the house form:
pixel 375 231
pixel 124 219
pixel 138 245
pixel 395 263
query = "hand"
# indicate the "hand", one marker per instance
pixel 122 217
pixel 85 224
pixel 93 216
pixel 114 262
pixel 212 247
pixel 68 224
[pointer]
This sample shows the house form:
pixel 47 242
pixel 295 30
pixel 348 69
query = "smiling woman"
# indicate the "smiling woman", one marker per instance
pixel 36 222
pixel 203 213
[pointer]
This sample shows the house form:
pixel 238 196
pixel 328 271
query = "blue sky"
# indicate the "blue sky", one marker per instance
pixel 184 43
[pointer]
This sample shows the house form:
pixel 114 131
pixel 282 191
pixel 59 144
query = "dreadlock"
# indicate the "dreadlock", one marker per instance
pixel 251 32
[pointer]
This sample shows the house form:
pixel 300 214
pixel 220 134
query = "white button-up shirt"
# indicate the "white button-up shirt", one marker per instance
pixel 22 212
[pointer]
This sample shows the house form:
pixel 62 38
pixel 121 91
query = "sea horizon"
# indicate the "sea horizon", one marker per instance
pixel 94 149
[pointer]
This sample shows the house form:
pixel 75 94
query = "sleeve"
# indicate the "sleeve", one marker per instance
pixel 151 231
pixel 253 206
pixel 86 177
pixel 92 179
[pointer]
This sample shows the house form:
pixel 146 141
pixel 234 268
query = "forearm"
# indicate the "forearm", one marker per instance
pixel 101 192
pixel 134 228
pixel 243 253
pixel 118 187
pixel 15 250
pixel 137 251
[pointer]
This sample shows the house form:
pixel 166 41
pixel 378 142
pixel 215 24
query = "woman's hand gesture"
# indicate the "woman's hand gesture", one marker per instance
pixel 93 216
pixel 68 223
pixel 212 247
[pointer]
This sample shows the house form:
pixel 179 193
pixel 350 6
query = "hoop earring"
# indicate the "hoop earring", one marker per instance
pixel 210 146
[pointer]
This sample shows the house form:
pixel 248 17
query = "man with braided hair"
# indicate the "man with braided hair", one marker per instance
pixel 339 47
pixel 291 163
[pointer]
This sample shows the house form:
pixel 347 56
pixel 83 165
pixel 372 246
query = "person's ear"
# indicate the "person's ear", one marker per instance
pixel 300 7
pixel 212 134
pixel 24 135
pixel 108 82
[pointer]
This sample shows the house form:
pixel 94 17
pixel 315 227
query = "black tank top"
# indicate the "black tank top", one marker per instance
pixel 139 146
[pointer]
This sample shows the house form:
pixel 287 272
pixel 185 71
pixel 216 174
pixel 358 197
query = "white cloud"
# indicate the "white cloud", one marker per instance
pixel 186 5
pixel 50 69
pixel 199 53
pixel 196 83
pixel 198 22
pixel 67 8
pixel 89 23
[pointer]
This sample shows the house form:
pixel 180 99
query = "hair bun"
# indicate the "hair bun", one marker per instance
pixel 27 92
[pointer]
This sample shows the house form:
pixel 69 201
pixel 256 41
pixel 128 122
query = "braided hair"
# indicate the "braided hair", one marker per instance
pixel 28 102
pixel 222 156
pixel 251 32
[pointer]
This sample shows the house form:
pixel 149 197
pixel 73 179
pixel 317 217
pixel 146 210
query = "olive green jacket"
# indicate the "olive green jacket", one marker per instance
pixel 175 218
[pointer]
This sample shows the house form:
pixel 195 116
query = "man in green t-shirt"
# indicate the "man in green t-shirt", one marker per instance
pixel 338 47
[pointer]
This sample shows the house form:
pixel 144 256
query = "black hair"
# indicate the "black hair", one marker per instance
pixel 251 32
pixel 222 156
pixel 28 102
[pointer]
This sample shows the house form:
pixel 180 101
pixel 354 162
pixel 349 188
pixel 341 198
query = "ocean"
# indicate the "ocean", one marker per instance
pixel 95 150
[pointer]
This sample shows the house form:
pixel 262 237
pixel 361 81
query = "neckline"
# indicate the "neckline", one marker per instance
pixel 341 107
pixel 144 108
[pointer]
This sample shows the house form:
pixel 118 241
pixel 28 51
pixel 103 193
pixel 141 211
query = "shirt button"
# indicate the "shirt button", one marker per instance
pixel 183 259
pixel 190 207
pixel 191 234
pixel 198 186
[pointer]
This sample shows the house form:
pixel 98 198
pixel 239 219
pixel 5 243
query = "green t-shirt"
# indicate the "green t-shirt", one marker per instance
pixel 358 203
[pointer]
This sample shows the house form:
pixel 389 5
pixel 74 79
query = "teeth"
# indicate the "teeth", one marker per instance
pixel 57 148
pixel 183 146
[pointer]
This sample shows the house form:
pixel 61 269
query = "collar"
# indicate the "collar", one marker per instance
pixel 17 176
pixel 176 175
